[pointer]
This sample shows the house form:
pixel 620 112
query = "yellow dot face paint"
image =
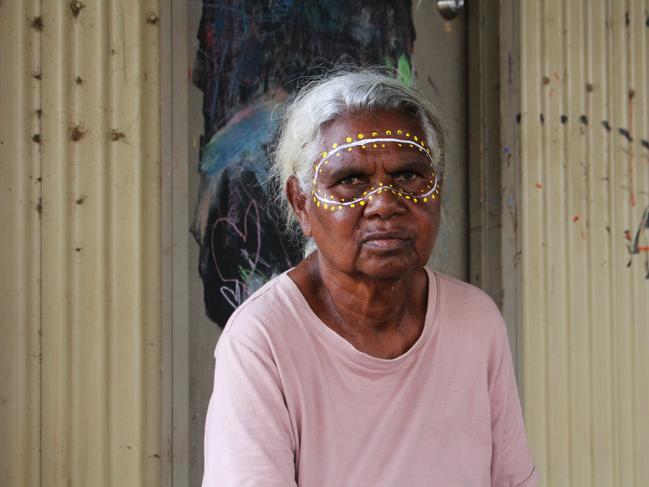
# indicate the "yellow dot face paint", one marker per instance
pixel 419 185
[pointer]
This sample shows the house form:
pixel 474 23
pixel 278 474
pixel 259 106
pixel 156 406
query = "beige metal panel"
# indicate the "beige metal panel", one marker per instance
pixel 584 183
pixel 85 270
pixel 599 148
pixel 85 80
pixel 20 243
pixel 530 209
pixel 639 345
pixel 576 157
pixel 634 417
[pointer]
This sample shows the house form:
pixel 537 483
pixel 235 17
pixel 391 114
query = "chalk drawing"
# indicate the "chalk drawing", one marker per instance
pixel 250 56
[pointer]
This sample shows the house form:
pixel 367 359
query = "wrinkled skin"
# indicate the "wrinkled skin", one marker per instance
pixel 366 281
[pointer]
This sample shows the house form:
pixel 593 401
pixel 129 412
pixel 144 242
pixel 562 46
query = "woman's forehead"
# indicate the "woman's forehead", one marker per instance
pixel 371 136
pixel 370 124
pixel 388 154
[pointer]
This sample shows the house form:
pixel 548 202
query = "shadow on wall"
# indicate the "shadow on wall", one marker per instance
pixel 251 56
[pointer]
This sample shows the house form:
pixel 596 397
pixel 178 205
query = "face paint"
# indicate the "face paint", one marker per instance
pixel 414 185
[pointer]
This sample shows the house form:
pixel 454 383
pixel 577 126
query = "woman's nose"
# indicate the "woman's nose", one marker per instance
pixel 385 203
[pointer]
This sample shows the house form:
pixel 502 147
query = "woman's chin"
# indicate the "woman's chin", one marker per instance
pixel 390 267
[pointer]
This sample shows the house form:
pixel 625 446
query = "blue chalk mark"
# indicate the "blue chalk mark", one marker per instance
pixel 242 141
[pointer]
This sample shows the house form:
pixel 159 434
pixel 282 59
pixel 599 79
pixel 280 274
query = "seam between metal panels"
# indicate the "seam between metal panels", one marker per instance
pixel 38 47
pixel 589 254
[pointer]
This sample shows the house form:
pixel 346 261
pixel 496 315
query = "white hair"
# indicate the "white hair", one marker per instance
pixel 323 100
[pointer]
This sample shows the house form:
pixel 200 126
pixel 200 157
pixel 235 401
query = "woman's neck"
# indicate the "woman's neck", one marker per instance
pixel 382 317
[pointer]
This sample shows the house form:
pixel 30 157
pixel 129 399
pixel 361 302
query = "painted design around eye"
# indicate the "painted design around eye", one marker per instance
pixel 428 193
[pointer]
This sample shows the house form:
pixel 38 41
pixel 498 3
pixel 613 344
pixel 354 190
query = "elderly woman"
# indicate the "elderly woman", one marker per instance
pixel 360 367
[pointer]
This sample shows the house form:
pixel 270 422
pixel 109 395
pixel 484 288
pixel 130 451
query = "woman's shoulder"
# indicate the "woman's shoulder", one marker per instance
pixel 468 304
pixel 265 314
pixel 462 291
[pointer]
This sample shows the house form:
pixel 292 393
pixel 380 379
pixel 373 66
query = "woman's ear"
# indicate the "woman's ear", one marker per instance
pixel 298 202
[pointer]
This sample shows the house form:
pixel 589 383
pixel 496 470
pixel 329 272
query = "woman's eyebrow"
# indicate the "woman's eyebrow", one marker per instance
pixel 346 163
pixel 409 163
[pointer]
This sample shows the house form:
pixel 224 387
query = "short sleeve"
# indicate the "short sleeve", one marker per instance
pixel 511 462
pixel 248 436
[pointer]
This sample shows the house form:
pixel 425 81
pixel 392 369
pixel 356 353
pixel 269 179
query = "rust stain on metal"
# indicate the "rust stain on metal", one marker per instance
pixel 37 24
pixel 116 135
pixel 77 133
pixel 76 7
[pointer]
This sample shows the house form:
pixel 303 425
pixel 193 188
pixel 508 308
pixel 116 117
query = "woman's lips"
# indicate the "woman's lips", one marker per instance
pixel 386 240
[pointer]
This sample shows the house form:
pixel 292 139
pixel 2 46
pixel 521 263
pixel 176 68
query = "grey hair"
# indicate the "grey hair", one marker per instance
pixel 322 101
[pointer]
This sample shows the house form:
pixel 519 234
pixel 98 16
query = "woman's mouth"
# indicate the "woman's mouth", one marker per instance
pixel 386 240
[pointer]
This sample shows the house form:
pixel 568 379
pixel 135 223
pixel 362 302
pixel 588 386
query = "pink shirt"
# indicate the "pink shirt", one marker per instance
pixel 295 404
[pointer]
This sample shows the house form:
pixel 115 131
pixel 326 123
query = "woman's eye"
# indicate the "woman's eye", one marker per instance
pixel 405 176
pixel 351 181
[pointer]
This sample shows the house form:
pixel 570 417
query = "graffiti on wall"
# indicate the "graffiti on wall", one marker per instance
pixel 251 55
pixel 639 243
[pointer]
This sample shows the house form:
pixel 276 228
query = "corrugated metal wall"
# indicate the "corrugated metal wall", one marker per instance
pixel 584 156
pixel 80 260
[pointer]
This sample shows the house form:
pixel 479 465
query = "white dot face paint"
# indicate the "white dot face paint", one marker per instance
pixel 342 181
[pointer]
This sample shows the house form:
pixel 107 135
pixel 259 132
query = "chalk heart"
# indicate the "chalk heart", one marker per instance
pixel 235 290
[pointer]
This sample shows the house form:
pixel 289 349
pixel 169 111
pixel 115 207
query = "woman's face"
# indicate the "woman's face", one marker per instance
pixel 374 207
